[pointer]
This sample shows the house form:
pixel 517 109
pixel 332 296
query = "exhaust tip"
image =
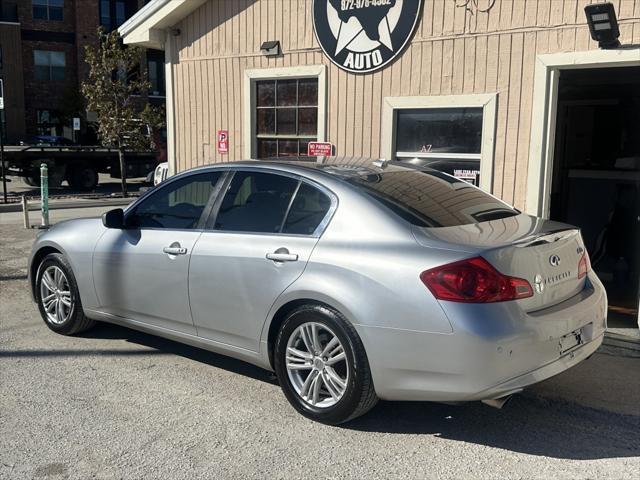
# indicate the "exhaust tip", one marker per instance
pixel 498 403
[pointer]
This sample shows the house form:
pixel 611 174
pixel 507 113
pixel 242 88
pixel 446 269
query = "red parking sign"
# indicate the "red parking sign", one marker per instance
pixel 223 142
pixel 319 149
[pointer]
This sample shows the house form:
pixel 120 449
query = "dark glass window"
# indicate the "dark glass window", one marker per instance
pixel 446 139
pixel 256 202
pixel 48 9
pixel 49 66
pixel 308 209
pixel 177 205
pixel 439 130
pixel 286 116
pixel 155 72
pixel 431 198
pixel 105 14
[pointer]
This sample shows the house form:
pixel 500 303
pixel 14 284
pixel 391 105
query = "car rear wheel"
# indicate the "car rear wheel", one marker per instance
pixel 58 298
pixel 322 366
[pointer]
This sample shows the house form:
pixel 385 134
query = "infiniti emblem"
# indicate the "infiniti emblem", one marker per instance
pixel 554 260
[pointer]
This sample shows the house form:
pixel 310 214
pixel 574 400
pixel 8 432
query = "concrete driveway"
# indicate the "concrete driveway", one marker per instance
pixel 115 403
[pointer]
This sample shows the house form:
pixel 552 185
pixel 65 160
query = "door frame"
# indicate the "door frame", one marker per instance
pixel 544 114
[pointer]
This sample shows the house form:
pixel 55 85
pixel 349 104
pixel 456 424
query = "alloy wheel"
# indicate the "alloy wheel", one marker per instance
pixel 55 295
pixel 317 365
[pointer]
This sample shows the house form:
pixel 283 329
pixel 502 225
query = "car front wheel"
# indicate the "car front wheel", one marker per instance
pixel 58 298
pixel 322 366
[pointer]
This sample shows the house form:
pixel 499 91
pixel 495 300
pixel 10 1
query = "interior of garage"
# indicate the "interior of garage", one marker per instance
pixel 596 179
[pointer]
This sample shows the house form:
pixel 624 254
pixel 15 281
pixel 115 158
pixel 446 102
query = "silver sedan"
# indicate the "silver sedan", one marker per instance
pixel 352 279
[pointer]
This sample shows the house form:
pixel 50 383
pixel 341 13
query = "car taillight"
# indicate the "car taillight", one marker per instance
pixel 584 265
pixel 474 281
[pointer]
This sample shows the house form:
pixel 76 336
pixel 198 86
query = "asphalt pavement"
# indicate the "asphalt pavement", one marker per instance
pixel 115 403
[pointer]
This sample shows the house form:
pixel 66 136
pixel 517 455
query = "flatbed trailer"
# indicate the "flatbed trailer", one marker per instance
pixel 78 165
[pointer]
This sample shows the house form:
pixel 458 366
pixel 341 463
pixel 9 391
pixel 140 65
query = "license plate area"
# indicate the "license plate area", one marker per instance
pixel 571 340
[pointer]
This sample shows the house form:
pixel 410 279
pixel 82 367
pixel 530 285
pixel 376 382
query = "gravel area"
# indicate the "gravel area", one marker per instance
pixel 115 403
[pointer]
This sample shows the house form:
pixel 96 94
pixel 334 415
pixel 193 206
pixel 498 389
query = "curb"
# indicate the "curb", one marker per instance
pixel 67 204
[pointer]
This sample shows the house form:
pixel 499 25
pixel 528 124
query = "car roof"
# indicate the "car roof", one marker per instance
pixel 342 168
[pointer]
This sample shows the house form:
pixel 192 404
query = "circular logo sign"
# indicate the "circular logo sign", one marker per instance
pixel 362 36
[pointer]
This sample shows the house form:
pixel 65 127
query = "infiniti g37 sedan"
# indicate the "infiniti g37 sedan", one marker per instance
pixel 352 279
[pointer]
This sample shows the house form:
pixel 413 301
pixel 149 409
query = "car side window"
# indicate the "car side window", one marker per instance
pixel 256 202
pixel 308 209
pixel 176 205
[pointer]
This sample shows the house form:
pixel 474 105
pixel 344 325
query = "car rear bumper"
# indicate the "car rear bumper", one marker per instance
pixel 494 349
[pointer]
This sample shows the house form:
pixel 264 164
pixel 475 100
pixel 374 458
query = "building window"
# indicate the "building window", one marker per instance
pixel 285 109
pixel 286 116
pixel 48 9
pixel 47 122
pixel 113 13
pixel 49 66
pixel 105 14
pixel 448 139
pixel 155 72
pixel 453 134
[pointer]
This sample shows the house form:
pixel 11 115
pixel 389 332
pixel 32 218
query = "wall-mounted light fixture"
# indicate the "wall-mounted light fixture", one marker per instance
pixel 603 24
pixel 270 48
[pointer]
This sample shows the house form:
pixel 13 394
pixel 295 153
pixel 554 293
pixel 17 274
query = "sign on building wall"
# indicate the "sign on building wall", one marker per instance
pixel 319 149
pixel 223 142
pixel 362 36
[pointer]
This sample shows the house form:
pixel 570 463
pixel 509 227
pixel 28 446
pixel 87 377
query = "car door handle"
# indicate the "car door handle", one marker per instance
pixel 282 257
pixel 175 250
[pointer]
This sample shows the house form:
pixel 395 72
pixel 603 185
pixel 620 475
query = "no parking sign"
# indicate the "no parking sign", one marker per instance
pixel 223 142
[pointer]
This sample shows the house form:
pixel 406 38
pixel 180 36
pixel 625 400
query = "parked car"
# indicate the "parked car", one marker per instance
pixel 352 279
pixel 161 173
pixel 49 141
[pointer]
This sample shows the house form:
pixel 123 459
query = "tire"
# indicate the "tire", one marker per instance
pixel 353 395
pixel 32 181
pixel 83 178
pixel 72 320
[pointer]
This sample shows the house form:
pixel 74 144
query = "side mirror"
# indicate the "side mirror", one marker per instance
pixel 113 218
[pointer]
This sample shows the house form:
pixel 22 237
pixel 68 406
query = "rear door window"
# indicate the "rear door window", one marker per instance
pixel 256 202
pixel 307 211
pixel 431 198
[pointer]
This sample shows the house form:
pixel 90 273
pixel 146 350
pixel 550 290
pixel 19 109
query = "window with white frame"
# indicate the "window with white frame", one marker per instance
pixel 453 134
pixel 284 110
pixel 286 116
pixel 49 65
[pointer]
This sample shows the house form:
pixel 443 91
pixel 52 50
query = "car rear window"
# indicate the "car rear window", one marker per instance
pixel 431 198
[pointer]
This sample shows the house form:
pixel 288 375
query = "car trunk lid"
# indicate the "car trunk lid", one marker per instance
pixel 543 252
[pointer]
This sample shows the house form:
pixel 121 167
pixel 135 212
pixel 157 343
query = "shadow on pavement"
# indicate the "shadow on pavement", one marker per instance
pixel 529 424
pixel 115 332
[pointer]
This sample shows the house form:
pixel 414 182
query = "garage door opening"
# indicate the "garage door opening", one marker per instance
pixel 596 179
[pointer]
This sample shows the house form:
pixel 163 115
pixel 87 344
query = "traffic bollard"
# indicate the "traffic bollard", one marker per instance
pixel 25 212
pixel 44 194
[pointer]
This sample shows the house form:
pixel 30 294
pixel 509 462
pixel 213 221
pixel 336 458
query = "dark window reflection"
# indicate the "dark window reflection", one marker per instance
pixel 439 130
pixel 286 116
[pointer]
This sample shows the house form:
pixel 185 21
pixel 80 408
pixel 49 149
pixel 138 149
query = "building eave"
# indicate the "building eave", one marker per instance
pixel 145 28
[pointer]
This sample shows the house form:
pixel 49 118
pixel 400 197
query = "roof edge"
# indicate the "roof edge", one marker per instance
pixel 143 27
